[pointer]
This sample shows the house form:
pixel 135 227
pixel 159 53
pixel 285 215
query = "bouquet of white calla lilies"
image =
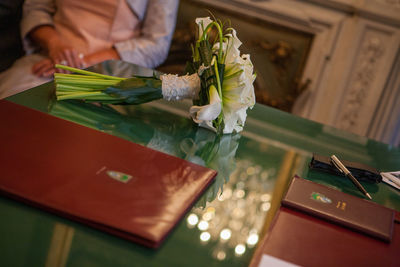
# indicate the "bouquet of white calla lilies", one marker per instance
pixel 219 81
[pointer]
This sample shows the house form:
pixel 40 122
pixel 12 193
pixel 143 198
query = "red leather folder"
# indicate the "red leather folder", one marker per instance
pixel 327 203
pixel 114 185
pixel 305 240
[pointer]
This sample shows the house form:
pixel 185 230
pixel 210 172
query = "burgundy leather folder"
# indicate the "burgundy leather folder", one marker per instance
pixel 98 179
pixel 327 203
pixel 305 240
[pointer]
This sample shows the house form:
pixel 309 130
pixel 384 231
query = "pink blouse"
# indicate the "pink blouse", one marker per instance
pixel 90 27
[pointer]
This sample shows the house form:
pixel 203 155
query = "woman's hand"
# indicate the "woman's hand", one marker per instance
pixel 45 67
pixel 58 51
pixel 63 54
pixel 101 56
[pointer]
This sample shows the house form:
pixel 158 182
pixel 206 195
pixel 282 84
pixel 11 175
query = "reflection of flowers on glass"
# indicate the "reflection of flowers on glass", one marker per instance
pixel 233 222
pixel 213 151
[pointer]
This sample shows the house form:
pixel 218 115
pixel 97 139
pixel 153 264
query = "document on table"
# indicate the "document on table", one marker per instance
pixel 392 178
pixel 267 261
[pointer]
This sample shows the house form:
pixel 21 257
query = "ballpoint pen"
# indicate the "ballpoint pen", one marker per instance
pixel 339 165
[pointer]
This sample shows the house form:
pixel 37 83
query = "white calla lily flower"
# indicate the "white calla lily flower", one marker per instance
pixel 238 94
pixel 203 23
pixel 204 115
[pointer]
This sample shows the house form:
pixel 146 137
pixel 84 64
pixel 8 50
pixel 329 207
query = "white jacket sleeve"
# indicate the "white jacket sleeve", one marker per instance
pixel 151 48
pixel 36 13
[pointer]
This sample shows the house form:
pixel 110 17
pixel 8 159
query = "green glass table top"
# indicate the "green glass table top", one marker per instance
pixel 222 229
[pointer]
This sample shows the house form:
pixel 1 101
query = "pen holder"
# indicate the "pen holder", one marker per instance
pixel 361 172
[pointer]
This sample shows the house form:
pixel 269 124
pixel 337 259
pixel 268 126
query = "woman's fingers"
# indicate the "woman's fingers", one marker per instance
pixel 60 60
pixel 76 59
pixel 69 57
pixel 49 72
pixel 64 54
pixel 44 68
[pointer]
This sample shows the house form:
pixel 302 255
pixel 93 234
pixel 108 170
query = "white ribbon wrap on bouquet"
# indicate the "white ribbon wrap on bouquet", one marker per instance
pixel 176 87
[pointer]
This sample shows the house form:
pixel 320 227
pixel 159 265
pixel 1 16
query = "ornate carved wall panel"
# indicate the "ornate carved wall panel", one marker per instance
pixel 363 89
pixel 355 85
pixel 385 125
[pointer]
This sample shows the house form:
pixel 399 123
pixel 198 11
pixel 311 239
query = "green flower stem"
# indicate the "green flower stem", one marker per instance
pixel 203 36
pixel 87 82
pixel 85 72
pixel 78 87
pixel 97 81
pixel 84 85
pixel 218 80
pixel 75 76
pixel 82 95
pixel 63 88
pixel 196 56
pixel 104 97
pixel 221 115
